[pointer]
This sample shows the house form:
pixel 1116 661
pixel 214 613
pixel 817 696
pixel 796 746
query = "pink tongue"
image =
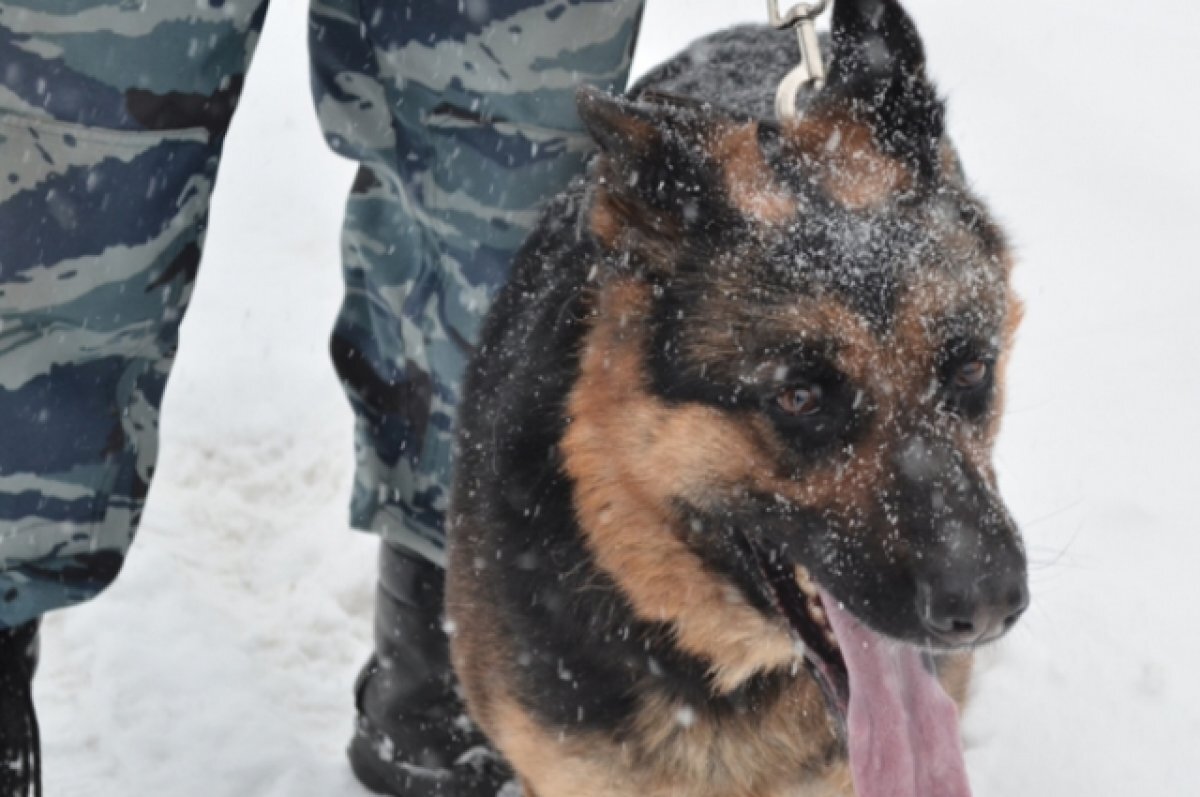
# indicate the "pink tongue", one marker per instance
pixel 902 726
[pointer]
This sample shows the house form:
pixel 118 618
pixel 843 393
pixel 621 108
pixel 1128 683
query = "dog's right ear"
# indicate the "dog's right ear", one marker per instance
pixel 655 176
pixel 878 72
pixel 875 39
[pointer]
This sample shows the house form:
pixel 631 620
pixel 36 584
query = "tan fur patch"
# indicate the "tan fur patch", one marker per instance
pixel 777 748
pixel 948 158
pixel 479 647
pixel 954 672
pixel 936 294
pixel 853 171
pixel 553 765
pixel 749 181
pixel 627 453
pixel 1016 313
pixel 785 750
pixel 605 223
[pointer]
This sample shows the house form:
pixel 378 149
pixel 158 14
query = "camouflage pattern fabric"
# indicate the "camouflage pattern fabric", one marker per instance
pixel 112 116
pixel 111 120
pixel 462 115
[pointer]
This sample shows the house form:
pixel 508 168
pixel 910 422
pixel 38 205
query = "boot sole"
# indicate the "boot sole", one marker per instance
pixel 380 773
pixel 373 763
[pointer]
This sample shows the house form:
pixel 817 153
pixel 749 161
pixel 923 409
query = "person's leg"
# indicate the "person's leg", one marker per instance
pixel 112 116
pixel 462 116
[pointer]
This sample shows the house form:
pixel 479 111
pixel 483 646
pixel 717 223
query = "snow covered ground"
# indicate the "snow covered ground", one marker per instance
pixel 221 662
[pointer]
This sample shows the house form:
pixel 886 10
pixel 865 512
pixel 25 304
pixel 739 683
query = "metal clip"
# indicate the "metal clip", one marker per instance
pixel 811 70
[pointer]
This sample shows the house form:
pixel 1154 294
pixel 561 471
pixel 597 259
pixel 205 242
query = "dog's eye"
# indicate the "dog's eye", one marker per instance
pixel 972 375
pixel 800 401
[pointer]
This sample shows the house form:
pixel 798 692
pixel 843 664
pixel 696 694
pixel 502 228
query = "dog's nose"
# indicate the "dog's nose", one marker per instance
pixel 967 613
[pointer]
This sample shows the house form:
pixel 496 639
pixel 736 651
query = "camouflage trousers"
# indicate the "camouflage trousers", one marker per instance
pixel 112 116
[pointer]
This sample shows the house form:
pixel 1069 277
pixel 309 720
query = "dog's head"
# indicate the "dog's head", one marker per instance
pixel 827 317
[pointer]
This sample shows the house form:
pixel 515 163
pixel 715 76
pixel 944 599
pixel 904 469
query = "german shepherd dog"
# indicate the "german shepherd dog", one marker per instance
pixel 725 522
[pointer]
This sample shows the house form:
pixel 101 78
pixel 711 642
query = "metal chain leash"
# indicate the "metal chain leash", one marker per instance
pixel 811 71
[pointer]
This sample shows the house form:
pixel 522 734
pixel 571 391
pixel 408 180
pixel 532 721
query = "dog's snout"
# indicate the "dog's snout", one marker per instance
pixel 968 612
pixel 968 563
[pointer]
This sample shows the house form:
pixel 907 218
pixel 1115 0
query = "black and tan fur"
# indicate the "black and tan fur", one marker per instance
pixel 623 457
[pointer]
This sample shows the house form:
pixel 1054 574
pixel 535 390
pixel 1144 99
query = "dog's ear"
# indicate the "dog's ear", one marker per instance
pixel 878 69
pixel 656 178
pixel 622 128
pixel 875 38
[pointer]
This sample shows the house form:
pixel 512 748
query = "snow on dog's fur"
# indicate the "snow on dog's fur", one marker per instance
pixel 725 521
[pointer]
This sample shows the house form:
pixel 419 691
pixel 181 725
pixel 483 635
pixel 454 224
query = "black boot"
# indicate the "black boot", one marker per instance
pixel 413 737
pixel 20 748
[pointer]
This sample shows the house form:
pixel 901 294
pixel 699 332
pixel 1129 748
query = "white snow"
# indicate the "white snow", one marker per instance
pixel 221 663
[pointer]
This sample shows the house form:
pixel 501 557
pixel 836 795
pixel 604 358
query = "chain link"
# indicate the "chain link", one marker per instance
pixel 811 71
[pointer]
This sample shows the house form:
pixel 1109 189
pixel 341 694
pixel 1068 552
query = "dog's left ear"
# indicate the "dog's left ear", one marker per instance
pixel 878 69
pixel 657 179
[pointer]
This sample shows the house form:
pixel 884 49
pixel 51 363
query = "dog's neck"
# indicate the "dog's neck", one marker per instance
pixel 624 509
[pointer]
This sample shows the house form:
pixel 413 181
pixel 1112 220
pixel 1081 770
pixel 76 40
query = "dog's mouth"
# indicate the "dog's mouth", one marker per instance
pixel 899 726
pixel 799 600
